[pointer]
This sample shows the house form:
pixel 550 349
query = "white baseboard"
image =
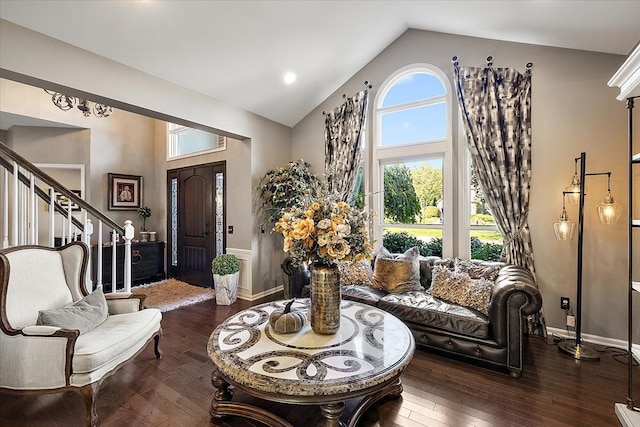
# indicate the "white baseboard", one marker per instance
pixel 597 339
pixel 244 282
pixel 263 294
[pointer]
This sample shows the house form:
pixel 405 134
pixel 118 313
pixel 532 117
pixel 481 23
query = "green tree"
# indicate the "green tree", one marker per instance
pixel 427 182
pixel 400 200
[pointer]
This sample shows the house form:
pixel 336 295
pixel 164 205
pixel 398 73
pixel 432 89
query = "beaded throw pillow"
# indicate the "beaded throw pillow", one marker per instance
pixel 357 273
pixel 458 288
pixel 477 270
pixel 397 273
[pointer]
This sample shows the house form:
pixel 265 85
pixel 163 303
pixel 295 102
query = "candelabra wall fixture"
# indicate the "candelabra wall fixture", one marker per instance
pixel 608 213
pixel 66 103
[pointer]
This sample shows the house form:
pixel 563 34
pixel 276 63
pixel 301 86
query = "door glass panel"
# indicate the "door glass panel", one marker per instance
pixel 219 227
pixel 174 221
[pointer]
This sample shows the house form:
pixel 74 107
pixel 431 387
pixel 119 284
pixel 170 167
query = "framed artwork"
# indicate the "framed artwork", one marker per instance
pixel 125 192
pixel 63 200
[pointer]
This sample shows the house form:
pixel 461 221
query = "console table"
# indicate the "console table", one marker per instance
pixel 147 262
pixel 363 360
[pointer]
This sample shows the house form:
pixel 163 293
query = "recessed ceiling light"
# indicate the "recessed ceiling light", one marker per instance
pixel 290 78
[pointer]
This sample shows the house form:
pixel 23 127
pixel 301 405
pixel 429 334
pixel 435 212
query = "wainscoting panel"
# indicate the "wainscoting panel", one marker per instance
pixel 245 290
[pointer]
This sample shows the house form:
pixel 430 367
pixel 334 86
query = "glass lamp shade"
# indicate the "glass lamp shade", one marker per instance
pixel 573 190
pixel 564 227
pixel 608 211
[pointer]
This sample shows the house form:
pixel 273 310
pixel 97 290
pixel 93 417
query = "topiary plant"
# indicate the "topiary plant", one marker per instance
pixel 225 264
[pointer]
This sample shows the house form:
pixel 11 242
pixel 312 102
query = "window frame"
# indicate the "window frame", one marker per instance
pixel 418 151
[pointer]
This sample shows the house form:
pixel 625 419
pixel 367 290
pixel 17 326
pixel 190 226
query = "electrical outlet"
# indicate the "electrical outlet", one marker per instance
pixel 571 321
pixel 565 303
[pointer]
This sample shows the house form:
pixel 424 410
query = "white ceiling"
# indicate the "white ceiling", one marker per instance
pixel 238 51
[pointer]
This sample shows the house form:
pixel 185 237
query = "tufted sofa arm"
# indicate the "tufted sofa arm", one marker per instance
pixel 514 296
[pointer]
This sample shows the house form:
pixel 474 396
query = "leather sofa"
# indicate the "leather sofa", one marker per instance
pixel 436 324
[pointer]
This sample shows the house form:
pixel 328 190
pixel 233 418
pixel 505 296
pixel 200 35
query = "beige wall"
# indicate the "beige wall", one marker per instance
pixel 29 57
pixel 573 110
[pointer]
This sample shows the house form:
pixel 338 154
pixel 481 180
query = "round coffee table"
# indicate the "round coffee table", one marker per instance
pixel 363 360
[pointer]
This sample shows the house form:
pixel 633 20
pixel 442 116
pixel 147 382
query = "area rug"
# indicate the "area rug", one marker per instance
pixel 170 294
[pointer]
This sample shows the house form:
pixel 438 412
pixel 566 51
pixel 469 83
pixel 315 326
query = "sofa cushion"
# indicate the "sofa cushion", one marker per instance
pixel 459 288
pixel 356 273
pixel 362 293
pixel 112 338
pixel 423 308
pixel 478 269
pixel 397 273
pixel 83 315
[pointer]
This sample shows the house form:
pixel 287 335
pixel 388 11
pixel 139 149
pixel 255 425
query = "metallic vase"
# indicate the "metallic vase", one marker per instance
pixel 325 299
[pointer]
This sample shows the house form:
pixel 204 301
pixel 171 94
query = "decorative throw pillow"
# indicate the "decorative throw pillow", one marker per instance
pixel 397 273
pixel 357 273
pixel 477 270
pixel 458 288
pixel 84 314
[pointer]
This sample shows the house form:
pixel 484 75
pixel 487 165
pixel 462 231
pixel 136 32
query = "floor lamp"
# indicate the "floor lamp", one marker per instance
pixel 608 213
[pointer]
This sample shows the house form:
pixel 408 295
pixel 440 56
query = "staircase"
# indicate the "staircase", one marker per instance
pixel 24 188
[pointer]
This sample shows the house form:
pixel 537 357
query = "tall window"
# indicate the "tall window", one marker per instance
pixel 184 141
pixel 412 186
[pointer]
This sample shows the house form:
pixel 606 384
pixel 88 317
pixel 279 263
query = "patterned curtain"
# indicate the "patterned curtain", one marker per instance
pixel 343 144
pixel 496 111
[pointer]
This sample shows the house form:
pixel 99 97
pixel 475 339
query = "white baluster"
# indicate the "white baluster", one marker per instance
pixel 128 235
pixel 70 222
pixel 31 201
pixel 99 250
pixel 5 209
pixel 52 217
pixel 114 282
pixel 15 219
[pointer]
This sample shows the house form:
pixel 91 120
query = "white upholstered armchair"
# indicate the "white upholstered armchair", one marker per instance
pixel 42 288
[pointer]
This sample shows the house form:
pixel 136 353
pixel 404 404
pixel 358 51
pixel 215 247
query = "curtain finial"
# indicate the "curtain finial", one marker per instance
pixel 489 61
pixel 455 61
pixel 528 67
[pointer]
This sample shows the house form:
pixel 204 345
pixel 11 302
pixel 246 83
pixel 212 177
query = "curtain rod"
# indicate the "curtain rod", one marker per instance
pixel 454 59
pixel 344 95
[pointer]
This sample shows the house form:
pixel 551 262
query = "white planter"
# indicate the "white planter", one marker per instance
pixel 226 288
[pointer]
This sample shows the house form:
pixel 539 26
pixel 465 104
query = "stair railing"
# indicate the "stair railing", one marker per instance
pixel 19 178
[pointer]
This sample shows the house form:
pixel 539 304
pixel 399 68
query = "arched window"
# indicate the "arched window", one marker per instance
pixel 412 157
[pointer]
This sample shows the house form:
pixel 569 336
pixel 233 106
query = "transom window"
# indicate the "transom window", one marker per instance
pixel 184 141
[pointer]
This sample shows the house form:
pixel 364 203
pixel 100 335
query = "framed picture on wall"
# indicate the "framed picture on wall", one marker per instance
pixel 125 192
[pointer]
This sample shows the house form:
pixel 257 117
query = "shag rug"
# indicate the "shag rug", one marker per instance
pixel 170 294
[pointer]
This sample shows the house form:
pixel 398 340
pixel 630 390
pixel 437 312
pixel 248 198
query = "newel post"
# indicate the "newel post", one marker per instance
pixel 128 235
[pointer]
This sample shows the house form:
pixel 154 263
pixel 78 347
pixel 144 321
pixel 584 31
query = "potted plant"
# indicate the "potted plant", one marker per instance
pixel 279 190
pixel 144 213
pixel 226 272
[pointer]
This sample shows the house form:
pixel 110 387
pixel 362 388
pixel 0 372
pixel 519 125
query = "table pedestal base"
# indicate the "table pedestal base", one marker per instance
pixel 222 406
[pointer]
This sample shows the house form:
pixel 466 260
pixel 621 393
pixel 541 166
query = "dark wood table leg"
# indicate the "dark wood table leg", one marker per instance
pixel 332 413
pixel 393 390
pixel 222 394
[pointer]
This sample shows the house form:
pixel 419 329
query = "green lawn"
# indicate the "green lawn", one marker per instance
pixel 483 235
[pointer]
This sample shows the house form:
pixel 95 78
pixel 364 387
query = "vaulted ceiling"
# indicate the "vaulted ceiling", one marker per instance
pixel 239 51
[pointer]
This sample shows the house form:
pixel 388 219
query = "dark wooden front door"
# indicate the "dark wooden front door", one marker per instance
pixel 192 222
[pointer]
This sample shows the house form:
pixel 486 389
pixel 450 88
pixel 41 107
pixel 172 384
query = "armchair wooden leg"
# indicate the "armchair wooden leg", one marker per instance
pixel 156 347
pixel 90 395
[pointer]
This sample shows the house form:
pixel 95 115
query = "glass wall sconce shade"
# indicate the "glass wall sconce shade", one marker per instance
pixel 564 227
pixel 609 212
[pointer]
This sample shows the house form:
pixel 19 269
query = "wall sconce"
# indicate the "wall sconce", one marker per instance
pixel 609 213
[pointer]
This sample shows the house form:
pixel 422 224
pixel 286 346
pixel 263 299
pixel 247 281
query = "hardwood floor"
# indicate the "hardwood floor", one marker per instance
pixel 554 389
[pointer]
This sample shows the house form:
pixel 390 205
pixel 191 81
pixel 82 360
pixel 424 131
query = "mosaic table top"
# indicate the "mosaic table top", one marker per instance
pixel 371 347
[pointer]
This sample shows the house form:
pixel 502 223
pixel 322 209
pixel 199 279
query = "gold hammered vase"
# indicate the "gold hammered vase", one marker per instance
pixel 325 299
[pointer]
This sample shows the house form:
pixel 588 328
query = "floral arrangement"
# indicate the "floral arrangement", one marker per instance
pixel 282 188
pixel 225 264
pixel 144 213
pixel 325 231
